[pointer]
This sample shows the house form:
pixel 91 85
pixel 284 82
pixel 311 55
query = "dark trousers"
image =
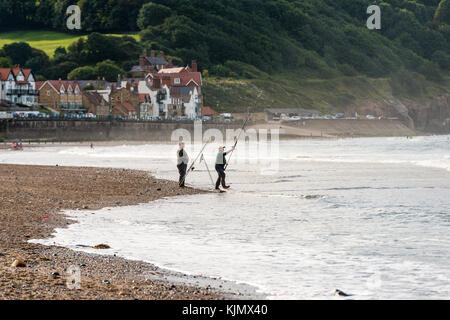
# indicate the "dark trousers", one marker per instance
pixel 182 170
pixel 221 179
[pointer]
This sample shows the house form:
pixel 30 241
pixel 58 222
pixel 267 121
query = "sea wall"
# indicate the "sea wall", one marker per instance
pixel 92 130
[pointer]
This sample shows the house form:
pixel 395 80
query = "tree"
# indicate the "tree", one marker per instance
pixel 60 70
pixel 19 52
pixel 152 14
pixel 108 70
pixel 5 62
pixel 83 73
pixel 442 59
pixel 442 14
pixel 38 63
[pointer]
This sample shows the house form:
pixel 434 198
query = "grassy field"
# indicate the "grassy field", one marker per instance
pixel 47 41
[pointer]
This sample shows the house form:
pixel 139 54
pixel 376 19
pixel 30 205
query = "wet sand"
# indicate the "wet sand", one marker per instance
pixel 31 200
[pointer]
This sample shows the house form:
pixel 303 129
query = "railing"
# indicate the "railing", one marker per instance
pixel 72 108
pixel 22 92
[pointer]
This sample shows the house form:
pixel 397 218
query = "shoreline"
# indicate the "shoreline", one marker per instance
pixel 6 145
pixel 33 199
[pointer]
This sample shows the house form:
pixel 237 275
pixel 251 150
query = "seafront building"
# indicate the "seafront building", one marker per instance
pixel 18 86
pixel 166 91
pixel 61 96
pixel 157 90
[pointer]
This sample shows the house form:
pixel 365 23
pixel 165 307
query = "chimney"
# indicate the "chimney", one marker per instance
pixel 170 65
pixel 156 83
pixel 161 54
pixel 194 66
pixel 141 61
pixel 152 53
pixel 128 86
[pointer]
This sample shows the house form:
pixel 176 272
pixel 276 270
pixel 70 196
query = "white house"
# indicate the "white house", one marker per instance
pixel 160 102
pixel 184 101
pixel 192 106
pixel 18 85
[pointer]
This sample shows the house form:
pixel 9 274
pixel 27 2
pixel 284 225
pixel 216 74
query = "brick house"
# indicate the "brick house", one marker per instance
pixel 150 64
pixel 95 103
pixel 124 101
pixel 63 96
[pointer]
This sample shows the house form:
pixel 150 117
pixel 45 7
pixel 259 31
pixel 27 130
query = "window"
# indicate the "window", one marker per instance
pixel 48 93
pixel 177 80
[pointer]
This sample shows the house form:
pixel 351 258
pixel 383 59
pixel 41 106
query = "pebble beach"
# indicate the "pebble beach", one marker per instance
pixel 32 200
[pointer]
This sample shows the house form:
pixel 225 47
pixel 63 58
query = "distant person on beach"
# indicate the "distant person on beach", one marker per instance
pixel 92 145
pixel 220 167
pixel 17 145
pixel 182 162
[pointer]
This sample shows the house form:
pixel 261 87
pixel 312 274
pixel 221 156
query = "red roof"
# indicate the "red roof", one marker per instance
pixel 207 111
pixel 144 97
pixel 39 84
pixel 172 70
pixel 128 106
pixel 193 79
pixel 57 84
pixel 4 73
pixel 26 73
pixel 121 111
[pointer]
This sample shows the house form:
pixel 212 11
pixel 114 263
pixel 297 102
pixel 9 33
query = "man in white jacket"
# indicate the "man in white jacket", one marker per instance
pixel 182 162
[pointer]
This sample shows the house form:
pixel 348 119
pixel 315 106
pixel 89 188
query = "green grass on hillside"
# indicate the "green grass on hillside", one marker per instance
pixel 291 91
pixel 47 41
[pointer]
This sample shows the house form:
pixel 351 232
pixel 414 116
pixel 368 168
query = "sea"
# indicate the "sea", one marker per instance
pixel 368 216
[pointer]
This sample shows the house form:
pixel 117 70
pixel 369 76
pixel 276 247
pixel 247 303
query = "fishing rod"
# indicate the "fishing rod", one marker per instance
pixel 207 168
pixel 236 140
pixel 191 167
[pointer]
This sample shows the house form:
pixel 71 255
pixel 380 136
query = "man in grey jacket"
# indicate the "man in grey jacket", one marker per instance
pixel 182 162
pixel 220 167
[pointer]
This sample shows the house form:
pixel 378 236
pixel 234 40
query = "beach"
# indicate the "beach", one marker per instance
pixel 32 198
